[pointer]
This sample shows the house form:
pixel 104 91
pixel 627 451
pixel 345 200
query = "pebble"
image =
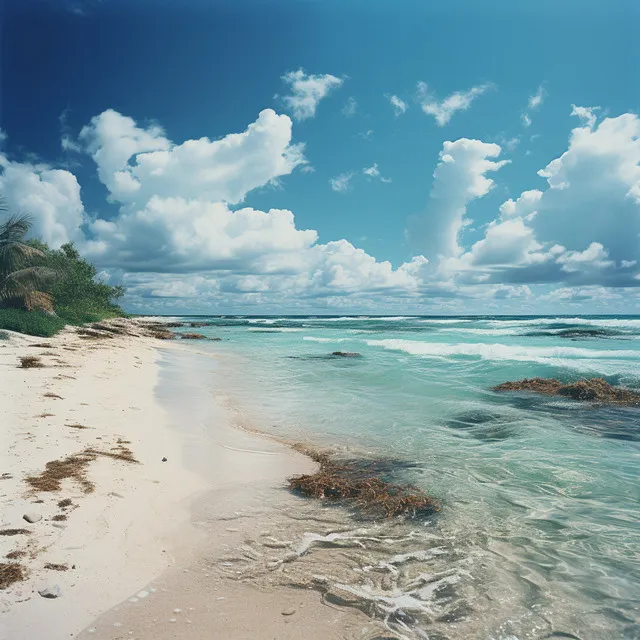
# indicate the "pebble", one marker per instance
pixel 164 459
pixel 177 611
pixel 172 620
pixel 142 594
pixel 53 591
pixel 288 612
pixel 32 517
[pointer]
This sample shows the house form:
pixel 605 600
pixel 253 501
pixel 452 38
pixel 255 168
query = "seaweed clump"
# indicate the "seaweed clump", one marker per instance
pixel 10 572
pixel 589 390
pixel 30 362
pixel 75 467
pixel 361 484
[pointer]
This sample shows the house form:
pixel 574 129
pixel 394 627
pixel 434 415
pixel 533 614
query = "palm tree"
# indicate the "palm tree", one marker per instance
pixel 22 281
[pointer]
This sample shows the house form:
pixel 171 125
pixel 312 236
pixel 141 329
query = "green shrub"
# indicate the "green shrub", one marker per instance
pixel 33 323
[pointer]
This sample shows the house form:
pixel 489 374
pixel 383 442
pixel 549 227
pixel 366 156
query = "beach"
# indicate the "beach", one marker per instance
pixel 179 522
pixel 138 520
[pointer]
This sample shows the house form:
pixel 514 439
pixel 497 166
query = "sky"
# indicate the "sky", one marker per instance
pixel 322 156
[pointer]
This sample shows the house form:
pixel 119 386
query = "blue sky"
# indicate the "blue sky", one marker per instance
pixel 407 132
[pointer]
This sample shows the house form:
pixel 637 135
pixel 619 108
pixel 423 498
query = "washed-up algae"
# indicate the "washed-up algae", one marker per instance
pixel 589 390
pixel 361 484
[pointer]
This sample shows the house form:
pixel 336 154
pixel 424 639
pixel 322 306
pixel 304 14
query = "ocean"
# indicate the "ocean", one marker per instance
pixel 539 531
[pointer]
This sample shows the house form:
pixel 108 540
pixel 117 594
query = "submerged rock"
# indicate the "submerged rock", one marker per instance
pixel 193 336
pixel 346 354
pixel 590 390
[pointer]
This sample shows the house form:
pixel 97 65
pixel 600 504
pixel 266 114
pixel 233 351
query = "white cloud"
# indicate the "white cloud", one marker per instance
pixel 341 182
pixel 366 135
pixel 586 114
pixel 594 256
pixel 3 135
pixel 580 295
pixel 137 163
pixel 537 98
pixel 459 178
pixel 181 235
pixel 374 172
pixel 69 144
pixel 584 228
pixel 399 105
pixel 459 101
pixel 534 102
pixel 50 196
pixel 307 91
pixel 350 107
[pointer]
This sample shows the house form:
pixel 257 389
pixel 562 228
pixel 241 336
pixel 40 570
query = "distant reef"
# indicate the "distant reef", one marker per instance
pixel 589 390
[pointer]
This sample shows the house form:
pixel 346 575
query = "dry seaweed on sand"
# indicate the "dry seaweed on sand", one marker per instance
pixel 42 345
pixel 52 395
pixel 76 426
pixel 590 390
pixel 59 517
pixel 75 468
pixel 13 532
pixel 67 502
pixel 56 567
pixel 14 555
pixel 10 572
pixel 360 483
pixel 30 362
pixel 72 467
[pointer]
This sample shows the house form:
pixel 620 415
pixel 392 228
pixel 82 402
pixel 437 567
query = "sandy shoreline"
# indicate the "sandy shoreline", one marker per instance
pixel 143 522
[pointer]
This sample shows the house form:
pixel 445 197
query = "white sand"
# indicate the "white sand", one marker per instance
pixel 134 530
pixel 118 536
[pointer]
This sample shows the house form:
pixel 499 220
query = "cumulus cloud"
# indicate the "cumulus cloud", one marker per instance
pixel 584 228
pixel 307 91
pixel 136 163
pixel 399 105
pixel 50 196
pixel 444 110
pixel 459 178
pixel 176 234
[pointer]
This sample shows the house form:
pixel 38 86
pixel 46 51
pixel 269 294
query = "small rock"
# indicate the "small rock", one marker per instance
pixel 288 612
pixel 51 592
pixel 32 517
pixel 164 459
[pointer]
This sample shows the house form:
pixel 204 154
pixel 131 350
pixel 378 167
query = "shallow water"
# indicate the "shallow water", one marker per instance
pixel 539 535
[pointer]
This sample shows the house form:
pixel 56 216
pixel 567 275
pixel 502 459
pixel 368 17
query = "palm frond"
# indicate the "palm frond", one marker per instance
pixel 15 228
pixel 34 277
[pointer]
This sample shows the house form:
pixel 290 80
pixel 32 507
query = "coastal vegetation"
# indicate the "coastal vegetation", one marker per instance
pixel 43 289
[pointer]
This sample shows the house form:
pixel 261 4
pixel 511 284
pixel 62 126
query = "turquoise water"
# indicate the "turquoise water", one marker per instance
pixel 540 495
